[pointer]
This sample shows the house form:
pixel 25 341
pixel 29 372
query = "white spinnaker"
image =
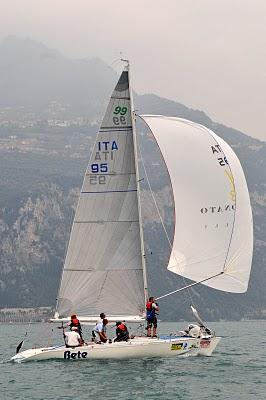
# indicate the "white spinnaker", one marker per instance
pixel 213 218
pixel 103 267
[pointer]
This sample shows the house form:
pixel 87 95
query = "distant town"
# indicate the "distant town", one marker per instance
pixel 22 130
pixel 22 315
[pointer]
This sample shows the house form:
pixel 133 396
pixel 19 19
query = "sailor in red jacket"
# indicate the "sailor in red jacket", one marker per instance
pixel 121 332
pixel 151 312
pixel 75 323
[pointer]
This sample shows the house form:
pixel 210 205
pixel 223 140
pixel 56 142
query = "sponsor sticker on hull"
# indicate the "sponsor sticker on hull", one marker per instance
pixel 179 346
pixel 205 343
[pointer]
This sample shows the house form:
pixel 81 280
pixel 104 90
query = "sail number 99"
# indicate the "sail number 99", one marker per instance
pixel 120 110
pixel 119 120
pixel 120 113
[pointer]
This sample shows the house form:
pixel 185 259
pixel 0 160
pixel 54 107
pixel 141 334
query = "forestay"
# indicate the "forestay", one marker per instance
pixel 213 218
pixel 103 267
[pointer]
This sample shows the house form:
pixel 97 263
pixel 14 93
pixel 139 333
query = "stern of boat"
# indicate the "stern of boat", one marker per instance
pixel 208 345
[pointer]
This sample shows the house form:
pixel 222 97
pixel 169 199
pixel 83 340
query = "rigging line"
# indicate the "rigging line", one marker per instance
pixel 154 200
pixel 189 286
pixel 161 219
pixel 115 61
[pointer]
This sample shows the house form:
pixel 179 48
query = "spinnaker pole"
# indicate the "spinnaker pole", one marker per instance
pixel 189 286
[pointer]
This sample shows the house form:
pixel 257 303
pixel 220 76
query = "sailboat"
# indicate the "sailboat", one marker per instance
pixel 105 265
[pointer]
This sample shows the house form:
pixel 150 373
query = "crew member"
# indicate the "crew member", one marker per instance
pixel 100 329
pixel 102 316
pixel 194 331
pixel 72 338
pixel 151 312
pixel 75 322
pixel 122 333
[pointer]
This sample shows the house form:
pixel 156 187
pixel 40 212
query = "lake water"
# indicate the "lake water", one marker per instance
pixel 237 369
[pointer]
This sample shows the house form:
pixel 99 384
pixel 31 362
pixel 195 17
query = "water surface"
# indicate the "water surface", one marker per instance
pixel 235 371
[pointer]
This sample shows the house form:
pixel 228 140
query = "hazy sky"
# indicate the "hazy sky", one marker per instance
pixel 206 54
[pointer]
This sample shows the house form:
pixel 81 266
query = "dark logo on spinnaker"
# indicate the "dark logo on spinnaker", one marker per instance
pixel 217 209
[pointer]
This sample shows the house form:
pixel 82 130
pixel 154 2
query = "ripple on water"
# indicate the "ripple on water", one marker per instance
pixel 236 371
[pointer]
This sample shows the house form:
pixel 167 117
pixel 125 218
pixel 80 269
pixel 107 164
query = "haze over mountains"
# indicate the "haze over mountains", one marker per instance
pixel 50 110
pixel 33 75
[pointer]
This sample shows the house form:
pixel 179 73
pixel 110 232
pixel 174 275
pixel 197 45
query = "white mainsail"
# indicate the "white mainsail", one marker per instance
pixel 213 218
pixel 103 267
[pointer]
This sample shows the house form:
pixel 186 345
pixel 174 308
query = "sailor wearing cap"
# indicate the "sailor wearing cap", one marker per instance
pixel 73 338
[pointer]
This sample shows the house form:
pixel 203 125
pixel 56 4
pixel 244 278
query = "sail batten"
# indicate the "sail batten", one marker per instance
pixel 212 204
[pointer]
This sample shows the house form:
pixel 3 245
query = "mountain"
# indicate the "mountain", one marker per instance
pixel 50 110
pixel 32 75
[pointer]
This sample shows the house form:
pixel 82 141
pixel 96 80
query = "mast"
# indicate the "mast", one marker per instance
pixel 143 259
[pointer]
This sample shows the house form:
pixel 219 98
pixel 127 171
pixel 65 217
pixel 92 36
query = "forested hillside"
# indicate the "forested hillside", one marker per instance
pixel 50 110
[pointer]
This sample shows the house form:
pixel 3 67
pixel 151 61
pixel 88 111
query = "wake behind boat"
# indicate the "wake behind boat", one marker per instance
pixel 105 265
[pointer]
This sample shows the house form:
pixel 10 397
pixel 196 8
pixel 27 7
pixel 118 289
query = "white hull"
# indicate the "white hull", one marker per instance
pixel 208 345
pixel 135 348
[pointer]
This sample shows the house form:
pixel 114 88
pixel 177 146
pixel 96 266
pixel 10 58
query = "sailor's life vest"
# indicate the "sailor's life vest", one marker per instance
pixel 150 311
pixel 122 328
